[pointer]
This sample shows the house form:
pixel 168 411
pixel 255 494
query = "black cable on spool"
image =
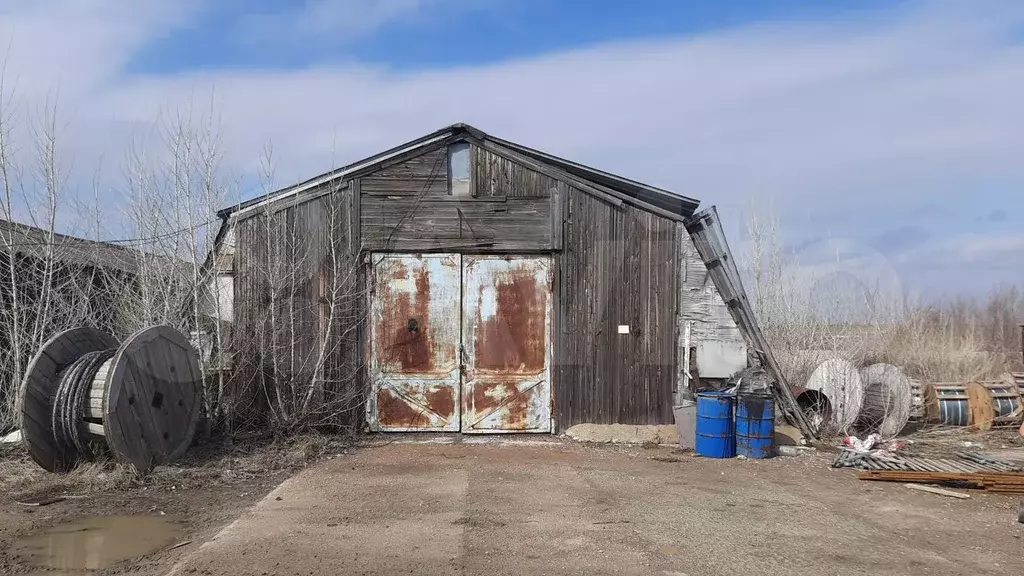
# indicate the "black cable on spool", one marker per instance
pixel 69 426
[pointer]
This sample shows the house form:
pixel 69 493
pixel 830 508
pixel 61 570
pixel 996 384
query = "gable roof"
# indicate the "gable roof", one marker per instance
pixel 590 179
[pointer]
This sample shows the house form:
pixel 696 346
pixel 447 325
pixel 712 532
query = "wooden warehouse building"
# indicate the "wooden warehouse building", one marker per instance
pixel 462 282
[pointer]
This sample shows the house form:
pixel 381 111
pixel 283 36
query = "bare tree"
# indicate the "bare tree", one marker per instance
pixel 302 307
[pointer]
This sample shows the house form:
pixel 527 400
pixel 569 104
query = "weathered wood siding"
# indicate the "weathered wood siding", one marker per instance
pixel 494 175
pixel 618 267
pixel 615 265
pixel 299 310
pixel 406 207
pixel 702 307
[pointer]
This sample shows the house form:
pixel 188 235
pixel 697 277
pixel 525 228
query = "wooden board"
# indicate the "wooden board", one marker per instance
pixel 35 398
pixel 930 402
pixel 153 398
pixel 979 400
pixel 1008 482
pixel 1008 410
pixel 938 491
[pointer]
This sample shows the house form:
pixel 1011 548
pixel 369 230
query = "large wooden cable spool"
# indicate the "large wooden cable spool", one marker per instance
pixel 952 404
pixel 836 394
pixel 1006 401
pixel 142 398
pixel 887 400
pixel 1018 379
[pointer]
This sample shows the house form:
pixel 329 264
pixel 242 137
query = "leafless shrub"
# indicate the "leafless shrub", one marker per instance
pixel 960 340
pixel 293 352
pixel 852 305
pixel 50 282
pixel 294 362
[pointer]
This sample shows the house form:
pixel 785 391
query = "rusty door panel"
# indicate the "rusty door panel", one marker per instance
pixel 506 337
pixel 414 339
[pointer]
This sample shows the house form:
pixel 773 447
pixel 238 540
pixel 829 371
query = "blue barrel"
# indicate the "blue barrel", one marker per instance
pixel 716 434
pixel 755 424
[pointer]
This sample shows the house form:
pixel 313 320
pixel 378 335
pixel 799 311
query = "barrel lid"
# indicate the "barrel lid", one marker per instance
pixel 715 393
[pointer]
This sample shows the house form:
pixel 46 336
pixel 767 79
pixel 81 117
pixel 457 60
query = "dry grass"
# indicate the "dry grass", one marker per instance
pixel 852 304
pixel 221 463
pixel 943 440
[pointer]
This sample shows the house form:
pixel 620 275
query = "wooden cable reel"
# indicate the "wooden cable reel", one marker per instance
pixel 1008 410
pixel 952 404
pixel 888 396
pixel 141 398
pixel 1018 380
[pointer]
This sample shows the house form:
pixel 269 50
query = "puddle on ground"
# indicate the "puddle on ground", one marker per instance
pixel 98 542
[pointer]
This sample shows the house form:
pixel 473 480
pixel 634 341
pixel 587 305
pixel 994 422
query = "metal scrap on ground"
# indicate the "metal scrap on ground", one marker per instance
pixel 966 470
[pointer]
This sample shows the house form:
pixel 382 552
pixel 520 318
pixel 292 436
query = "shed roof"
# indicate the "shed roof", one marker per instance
pixel 644 195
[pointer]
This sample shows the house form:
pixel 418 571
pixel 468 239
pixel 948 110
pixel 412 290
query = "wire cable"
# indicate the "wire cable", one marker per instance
pixel 68 419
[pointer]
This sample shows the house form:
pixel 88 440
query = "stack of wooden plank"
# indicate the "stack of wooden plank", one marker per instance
pixel 965 470
pixel 1009 482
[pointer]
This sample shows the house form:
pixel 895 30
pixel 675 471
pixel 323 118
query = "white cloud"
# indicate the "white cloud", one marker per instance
pixel 852 128
pixel 79 47
pixel 340 21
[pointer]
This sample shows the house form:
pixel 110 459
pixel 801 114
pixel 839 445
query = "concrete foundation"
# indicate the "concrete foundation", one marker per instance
pixel 623 434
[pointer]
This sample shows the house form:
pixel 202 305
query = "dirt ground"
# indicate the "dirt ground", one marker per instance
pixel 207 490
pixel 503 506
pixel 557 508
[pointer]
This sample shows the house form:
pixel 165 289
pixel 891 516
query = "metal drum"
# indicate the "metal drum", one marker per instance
pixel 716 432
pixel 755 425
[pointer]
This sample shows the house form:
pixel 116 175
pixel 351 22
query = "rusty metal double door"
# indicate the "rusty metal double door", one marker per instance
pixel 460 343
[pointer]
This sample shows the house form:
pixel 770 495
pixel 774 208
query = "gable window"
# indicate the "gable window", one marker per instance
pixel 458 170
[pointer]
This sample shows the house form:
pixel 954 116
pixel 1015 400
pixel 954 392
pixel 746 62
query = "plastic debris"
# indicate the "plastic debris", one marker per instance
pixel 858 445
pixel 873 445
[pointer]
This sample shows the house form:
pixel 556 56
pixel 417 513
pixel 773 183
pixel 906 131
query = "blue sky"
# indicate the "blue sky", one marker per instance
pixel 436 34
pixel 887 137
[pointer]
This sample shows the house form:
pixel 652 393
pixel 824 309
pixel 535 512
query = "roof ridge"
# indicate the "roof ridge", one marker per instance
pixel 648 194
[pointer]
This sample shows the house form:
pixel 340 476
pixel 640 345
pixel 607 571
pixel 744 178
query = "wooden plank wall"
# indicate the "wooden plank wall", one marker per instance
pixel 494 175
pixel 406 207
pixel 286 294
pixel 615 266
pixel 618 267
pixel 701 305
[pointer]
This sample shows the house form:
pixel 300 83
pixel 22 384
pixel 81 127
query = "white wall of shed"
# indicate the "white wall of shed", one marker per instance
pixel 218 296
pixel 720 348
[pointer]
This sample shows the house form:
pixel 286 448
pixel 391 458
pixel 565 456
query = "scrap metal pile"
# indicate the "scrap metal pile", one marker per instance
pixel 963 470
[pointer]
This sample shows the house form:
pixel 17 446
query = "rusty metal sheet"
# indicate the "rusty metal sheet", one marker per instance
pixel 506 340
pixel 414 339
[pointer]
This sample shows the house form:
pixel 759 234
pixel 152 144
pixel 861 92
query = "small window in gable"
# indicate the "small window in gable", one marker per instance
pixel 458 169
